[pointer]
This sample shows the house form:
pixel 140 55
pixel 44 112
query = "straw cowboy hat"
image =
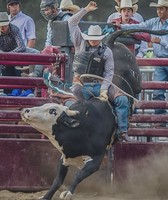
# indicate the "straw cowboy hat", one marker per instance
pixel 94 33
pixel 4 20
pixel 133 2
pixel 127 4
pixel 161 3
pixel 68 5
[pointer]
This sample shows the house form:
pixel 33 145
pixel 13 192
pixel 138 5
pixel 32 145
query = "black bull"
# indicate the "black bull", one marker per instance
pixel 89 132
pixel 127 75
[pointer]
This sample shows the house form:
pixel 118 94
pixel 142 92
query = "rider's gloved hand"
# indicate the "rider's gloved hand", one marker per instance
pixel 103 95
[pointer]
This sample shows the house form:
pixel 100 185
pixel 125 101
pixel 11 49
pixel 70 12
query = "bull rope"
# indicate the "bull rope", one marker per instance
pixel 103 79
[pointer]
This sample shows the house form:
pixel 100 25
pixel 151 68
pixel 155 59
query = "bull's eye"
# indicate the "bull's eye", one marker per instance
pixel 53 111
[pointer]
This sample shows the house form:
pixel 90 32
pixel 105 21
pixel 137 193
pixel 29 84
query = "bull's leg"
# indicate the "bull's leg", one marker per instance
pixel 89 168
pixel 62 172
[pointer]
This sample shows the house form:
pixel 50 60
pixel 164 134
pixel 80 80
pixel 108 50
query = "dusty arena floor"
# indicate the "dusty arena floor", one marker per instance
pixel 6 195
pixel 147 179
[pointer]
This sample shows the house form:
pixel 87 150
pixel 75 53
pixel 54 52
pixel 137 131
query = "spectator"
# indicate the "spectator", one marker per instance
pixel 26 26
pixel 10 41
pixel 22 21
pixel 126 9
pixel 50 11
pixel 160 46
pixel 67 5
pixel 94 57
pixel 136 16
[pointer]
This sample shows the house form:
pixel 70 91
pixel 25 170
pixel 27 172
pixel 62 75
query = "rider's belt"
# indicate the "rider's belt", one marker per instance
pixel 90 80
pixel 76 79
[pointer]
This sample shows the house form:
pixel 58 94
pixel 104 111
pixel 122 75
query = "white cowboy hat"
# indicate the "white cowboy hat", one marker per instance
pixel 94 33
pixel 68 5
pixel 133 2
pixel 4 20
pixel 161 3
pixel 127 4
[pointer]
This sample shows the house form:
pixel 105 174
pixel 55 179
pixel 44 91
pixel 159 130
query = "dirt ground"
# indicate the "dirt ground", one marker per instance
pixel 7 195
pixel 147 179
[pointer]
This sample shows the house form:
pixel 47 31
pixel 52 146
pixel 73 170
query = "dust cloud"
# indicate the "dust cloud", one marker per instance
pixel 147 177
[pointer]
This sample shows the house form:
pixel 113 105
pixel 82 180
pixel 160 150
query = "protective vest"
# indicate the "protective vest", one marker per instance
pixel 60 16
pixel 90 62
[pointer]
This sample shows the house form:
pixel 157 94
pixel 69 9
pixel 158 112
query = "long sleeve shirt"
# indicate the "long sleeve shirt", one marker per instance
pixel 12 41
pixel 80 44
pixel 160 50
pixel 26 26
pixel 143 47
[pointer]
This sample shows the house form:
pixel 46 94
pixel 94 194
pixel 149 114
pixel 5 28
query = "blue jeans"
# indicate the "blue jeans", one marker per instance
pixel 121 107
pixel 160 74
pixel 120 104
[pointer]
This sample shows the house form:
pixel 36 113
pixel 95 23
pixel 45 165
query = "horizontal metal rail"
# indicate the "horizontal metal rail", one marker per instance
pixel 30 81
pixel 148 118
pixel 152 61
pixel 148 132
pixel 143 104
pixel 154 85
pixel 19 129
pixel 22 102
pixel 14 59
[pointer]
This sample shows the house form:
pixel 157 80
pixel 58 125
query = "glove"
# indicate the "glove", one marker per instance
pixel 103 95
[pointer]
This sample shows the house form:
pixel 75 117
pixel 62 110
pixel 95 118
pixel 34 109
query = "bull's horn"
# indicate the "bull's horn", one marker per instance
pixel 71 112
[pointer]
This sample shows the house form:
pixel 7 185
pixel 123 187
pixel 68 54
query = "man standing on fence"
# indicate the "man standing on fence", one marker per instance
pixel 160 46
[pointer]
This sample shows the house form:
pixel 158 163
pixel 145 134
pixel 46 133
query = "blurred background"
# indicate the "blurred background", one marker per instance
pixel 31 8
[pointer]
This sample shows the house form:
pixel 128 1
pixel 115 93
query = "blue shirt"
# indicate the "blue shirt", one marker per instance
pixel 12 41
pixel 49 29
pixel 160 50
pixel 26 26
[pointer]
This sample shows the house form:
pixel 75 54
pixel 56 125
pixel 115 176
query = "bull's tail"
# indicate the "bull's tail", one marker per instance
pixel 117 34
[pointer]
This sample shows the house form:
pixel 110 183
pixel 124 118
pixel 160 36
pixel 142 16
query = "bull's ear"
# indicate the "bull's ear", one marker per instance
pixel 68 121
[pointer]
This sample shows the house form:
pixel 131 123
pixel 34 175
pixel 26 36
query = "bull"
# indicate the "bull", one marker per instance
pixel 80 133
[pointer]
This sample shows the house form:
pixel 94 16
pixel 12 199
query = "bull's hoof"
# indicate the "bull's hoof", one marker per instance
pixel 42 198
pixel 66 195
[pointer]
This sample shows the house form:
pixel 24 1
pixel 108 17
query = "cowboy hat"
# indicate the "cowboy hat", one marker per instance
pixel 94 33
pixel 4 20
pixel 127 4
pixel 68 5
pixel 161 3
pixel 133 2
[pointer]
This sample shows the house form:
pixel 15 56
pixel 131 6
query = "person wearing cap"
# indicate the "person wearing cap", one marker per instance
pixel 136 16
pixel 92 56
pixel 67 5
pixel 24 22
pixel 160 46
pixel 127 9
